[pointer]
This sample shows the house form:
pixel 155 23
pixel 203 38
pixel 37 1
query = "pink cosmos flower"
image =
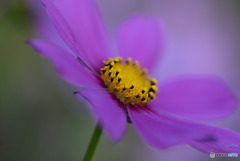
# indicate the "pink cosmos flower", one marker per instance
pixel 118 90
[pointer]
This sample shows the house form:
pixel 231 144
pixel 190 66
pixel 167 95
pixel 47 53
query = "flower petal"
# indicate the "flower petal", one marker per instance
pixel 43 27
pixel 195 97
pixel 107 111
pixel 161 131
pixel 66 65
pixel 141 39
pixel 219 140
pixel 80 26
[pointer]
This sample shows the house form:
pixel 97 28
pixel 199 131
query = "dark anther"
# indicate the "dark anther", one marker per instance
pixel 119 80
pixel 151 98
pixel 137 96
pixel 151 90
pixel 152 83
pixel 103 71
pixel 109 74
pixel 124 89
pixel 143 91
pixel 143 99
pixel 149 95
pixel 115 61
pixel 132 87
pixel 111 79
pixel 117 73
pixel 110 66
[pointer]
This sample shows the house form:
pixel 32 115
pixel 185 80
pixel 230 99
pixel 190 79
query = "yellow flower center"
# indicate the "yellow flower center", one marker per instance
pixel 128 81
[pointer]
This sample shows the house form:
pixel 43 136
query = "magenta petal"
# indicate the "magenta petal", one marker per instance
pixel 44 27
pixel 141 39
pixel 161 131
pixel 107 111
pixel 218 140
pixel 195 97
pixel 80 26
pixel 67 66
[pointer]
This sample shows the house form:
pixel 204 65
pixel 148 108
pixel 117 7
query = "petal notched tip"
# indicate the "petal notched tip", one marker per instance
pixel 218 140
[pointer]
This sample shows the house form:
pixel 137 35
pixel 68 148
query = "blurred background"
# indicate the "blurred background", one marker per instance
pixel 40 118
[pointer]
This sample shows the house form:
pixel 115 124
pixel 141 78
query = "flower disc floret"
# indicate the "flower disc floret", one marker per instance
pixel 128 81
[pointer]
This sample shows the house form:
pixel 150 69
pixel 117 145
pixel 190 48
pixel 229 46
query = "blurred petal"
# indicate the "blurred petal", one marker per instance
pixel 141 39
pixel 107 111
pixel 80 26
pixel 195 97
pixel 44 28
pixel 67 66
pixel 161 131
pixel 219 140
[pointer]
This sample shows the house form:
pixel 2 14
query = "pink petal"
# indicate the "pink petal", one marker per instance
pixel 141 39
pixel 107 111
pixel 162 131
pixel 43 27
pixel 219 140
pixel 66 65
pixel 80 25
pixel 195 97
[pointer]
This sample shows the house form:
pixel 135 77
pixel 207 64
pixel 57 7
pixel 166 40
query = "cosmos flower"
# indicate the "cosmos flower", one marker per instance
pixel 119 89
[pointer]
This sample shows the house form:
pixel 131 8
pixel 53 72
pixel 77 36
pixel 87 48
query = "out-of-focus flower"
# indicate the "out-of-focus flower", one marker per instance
pixel 118 88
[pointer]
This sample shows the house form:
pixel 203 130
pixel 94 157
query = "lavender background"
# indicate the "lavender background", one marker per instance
pixel 40 119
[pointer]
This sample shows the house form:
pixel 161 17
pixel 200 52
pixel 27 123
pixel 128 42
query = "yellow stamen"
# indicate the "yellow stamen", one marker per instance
pixel 128 81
